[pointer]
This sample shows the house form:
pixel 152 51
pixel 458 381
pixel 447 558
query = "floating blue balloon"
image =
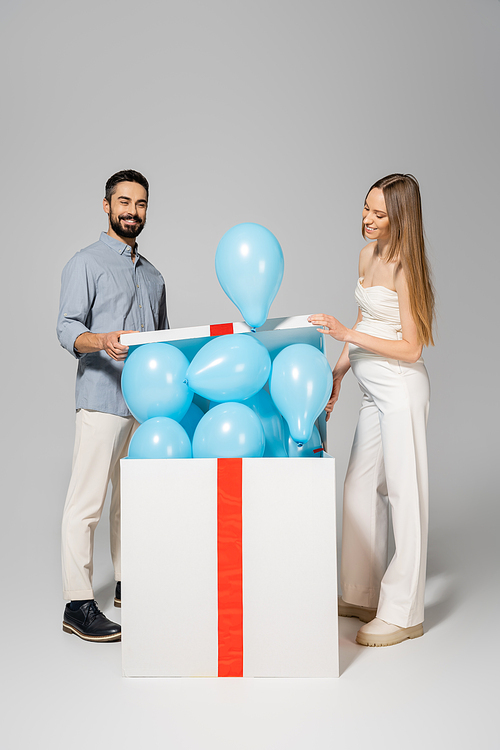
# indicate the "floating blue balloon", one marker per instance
pixel 229 431
pixel 272 422
pixel 312 449
pixel 229 368
pixel 160 437
pixel 249 265
pixel 300 385
pixel 153 382
pixel 191 419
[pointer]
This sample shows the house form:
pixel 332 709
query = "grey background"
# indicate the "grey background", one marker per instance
pixel 282 113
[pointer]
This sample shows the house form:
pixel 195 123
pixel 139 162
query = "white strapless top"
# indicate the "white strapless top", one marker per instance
pixel 380 309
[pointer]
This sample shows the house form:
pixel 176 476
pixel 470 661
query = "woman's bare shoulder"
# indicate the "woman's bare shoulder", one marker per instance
pixel 365 257
pixel 400 280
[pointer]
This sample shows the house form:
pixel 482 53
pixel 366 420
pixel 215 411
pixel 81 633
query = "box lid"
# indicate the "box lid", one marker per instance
pixel 275 334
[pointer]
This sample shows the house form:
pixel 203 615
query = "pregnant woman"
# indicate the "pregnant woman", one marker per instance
pixel 388 463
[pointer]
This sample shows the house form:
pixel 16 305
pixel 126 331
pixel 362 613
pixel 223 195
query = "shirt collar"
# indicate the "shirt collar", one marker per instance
pixel 120 247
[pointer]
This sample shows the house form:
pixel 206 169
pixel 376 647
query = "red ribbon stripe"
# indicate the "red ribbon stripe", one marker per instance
pixel 230 567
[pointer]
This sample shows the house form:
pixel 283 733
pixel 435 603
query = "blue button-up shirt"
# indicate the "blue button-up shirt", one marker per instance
pixel 102 291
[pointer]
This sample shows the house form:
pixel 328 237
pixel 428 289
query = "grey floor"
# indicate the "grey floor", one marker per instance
pixel 438 691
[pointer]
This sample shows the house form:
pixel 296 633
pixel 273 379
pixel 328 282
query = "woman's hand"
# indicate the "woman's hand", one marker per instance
pixel 332 327
pixel 334 396
pixel 329 326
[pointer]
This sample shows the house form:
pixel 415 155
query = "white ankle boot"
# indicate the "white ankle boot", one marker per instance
pixel 365 614
pixel 381 633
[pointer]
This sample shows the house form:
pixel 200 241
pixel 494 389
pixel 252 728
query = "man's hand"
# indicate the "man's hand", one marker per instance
pixel 112 346
pixel 108 342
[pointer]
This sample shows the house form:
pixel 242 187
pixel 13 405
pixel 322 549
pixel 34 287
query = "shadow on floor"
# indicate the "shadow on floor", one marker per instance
pixel 105 595
pixel 349 650
pixel 441 599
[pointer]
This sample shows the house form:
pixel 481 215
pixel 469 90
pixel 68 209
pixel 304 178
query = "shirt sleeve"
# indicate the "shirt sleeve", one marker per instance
pixel 163 323
pixel 77 297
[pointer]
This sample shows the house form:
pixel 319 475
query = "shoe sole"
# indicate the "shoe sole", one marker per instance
pixel 67 628
pixel 118 602
pixel 364 639
pixel 346 610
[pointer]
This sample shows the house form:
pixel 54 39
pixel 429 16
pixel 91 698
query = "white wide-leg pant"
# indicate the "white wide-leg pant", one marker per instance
pixel 101 440
pixel 388 464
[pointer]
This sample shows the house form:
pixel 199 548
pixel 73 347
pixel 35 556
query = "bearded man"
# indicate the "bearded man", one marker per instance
pixel 107 289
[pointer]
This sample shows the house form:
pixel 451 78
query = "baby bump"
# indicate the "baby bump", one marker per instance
pixel 392 383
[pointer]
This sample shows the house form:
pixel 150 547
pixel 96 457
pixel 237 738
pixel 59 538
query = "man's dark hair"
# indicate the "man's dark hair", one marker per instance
pixel 126 175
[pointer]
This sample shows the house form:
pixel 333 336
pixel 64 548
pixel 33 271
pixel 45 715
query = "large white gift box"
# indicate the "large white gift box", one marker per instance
pixel 229 564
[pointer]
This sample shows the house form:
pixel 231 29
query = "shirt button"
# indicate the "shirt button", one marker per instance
pixel 140 305
pixel 142 326
pixel 137 286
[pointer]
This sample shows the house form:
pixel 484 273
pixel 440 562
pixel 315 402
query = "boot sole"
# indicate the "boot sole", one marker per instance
pixel 67 628
pixel 118 602
pixel 364 639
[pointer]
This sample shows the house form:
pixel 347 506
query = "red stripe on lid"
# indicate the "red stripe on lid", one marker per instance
pixel 222 329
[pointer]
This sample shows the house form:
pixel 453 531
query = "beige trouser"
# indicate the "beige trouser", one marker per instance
pixel 101 440
pixel 388 465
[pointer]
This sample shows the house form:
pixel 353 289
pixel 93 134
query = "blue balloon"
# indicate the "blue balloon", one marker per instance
pixel 229 368
pixel 229 431
pixel 312 449
pixel 300 386
pixel 272 422
pixel 160 437
pixel 190 420
pixel 153 382
pixel 133 348
pixel 249 265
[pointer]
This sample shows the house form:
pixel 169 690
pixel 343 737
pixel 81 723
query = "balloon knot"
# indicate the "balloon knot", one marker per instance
pixel 185 382
pixel 300 445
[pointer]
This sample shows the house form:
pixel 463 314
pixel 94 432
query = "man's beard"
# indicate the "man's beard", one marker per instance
pixel 121 229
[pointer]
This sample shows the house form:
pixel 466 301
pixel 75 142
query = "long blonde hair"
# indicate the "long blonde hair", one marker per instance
pixel 407 245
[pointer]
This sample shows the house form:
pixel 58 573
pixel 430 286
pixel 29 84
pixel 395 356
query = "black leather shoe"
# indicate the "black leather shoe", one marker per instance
pixel 118 594
pixel 89 623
